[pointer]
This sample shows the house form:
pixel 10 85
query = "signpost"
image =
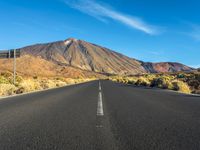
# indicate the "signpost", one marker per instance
pixel 8 55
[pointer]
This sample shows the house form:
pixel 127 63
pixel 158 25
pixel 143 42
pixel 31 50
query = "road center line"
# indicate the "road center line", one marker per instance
pixel 100 103
pixel 99 86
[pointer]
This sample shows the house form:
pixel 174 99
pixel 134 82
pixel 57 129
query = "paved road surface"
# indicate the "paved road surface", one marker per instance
pixel 105 116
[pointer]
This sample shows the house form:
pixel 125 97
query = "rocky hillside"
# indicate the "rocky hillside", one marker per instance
pixel 83 55
pixel 166 67
pixel 36 66
pixel 86 56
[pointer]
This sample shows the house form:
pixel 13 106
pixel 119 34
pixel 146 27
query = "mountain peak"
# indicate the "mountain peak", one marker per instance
pixel 70 40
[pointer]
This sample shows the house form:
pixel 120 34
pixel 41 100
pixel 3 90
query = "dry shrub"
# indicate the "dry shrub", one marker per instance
pixel 7 89
pixel 197 76
pixel 6 74
pixel 60 79
pixel 79 80
pixel 194 83
pixel 117 79
pixel 19 79
pixel 123 80
pixel 151 77
pixel 126 80
pixel 132 80
pixel 69 81
pixel 184 82
pixel 46 84
pixel 143 81
pixel 7 77
pixel 3 80
pixel 60 83
pixel 51 83
pixel 164 82
pixel 181 86
pixel 28 86
pixel 33 83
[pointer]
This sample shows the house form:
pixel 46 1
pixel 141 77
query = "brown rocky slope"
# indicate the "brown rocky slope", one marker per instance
pixel 28 65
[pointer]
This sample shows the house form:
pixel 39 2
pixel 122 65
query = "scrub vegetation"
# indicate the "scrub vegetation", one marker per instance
pixel 183 82
pixel 29 84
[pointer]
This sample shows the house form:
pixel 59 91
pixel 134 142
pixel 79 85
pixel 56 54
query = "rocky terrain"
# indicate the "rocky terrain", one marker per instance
pixel 30 66
pixel 164 67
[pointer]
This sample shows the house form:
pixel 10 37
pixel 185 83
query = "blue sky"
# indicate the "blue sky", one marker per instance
pixel 149 30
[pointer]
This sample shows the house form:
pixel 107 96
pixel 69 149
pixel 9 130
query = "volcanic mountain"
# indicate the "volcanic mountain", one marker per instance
pixel 85 56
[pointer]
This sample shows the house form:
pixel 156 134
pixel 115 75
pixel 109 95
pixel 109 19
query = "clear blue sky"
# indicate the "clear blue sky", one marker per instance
pixel 149 30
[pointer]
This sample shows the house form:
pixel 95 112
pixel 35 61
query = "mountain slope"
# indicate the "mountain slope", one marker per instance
pixel 90 57
pixel 85 56
pixel 28 65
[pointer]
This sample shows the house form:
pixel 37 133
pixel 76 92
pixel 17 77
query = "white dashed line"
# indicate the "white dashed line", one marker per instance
pixel 99 86
pixel 100 103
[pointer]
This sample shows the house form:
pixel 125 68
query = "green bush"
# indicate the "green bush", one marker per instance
pixel 180 76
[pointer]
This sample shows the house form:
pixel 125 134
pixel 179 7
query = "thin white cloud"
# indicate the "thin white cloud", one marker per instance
pixel 195 33
pixel 103 13
pixel 195 66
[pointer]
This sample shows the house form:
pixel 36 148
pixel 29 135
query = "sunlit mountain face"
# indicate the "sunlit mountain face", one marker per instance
pixel 91 57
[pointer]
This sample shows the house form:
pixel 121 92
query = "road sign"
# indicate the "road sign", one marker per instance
pixel 11 54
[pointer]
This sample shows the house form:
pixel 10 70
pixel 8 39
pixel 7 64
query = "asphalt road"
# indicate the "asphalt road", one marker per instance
pixel 105 116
